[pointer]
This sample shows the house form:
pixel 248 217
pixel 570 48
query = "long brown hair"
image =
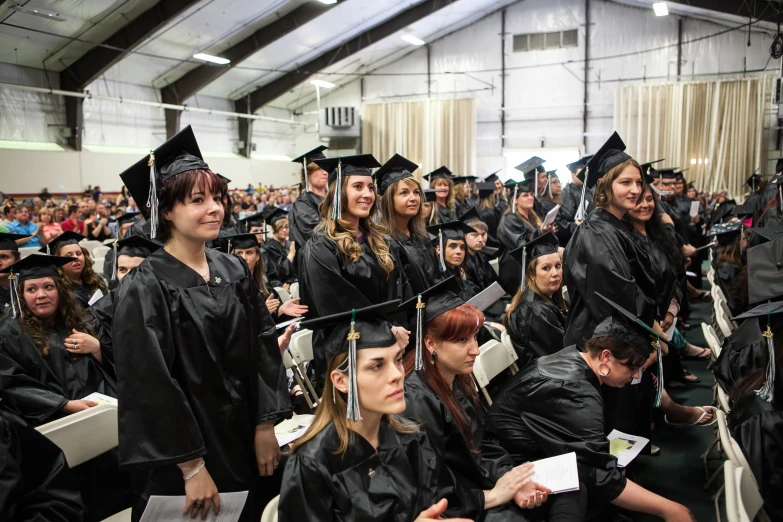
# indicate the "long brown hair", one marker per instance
pixel 69 313
pixel 461 322
pixel 90 279
pixel 744 390
pixel 604 194
pixel 488 202
pixel 258 270
pixel 459 192
pixel 450 197
pixel 530 282
pixel 339 230
pixel 731 252
pixel 532 220
pixel 623 352
pixel 387 219
pixel 333 409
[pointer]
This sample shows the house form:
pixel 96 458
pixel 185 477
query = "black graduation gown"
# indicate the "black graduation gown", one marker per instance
pixel 570 197
pixel 277 254
pixel 303 218
pixel 35 482
pixel 663 273
pixel 554 406
pixel 445 214
pixel 491 218
pixel 603 257
pixel 471 469
pixel 467 290
pixel 414 257
pixel 199 369
pixel 536 328
pixel 102 318
pixel 82 294
pixel 36 387
pixel 461 207
pixel 5 301
pixel 512 233
pixel 481 274
pixel 727 272
pixel 395 483
pixel 742 352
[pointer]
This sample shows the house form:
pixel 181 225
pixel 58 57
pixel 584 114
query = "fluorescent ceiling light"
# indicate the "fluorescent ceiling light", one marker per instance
pixel 213 59
pixel 328 2
pixel 43 13
pixel 412 39
pixel 660 9
pixel 32 145
pixel 322 83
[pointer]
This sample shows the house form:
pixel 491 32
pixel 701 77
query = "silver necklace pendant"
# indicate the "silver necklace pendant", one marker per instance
pixel 371 474
pixel 217 280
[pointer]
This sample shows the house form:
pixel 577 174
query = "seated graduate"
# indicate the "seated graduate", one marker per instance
pixel 124 229
pixel 36 482
pixel 732 243
pixel 401 214
pixel 554 406
pixel 278 249
pixel 462 194
pixel 9 254
pixel 440 181
pixel 441 397
pixel 451 250
pixel 489 211
pixel 358 460
pixel 201 381
pixel 536 319
pixel 571 196
pixel 49 359
pixel 83 280
pixel 477 267
pixel 428 210
pixel 305 216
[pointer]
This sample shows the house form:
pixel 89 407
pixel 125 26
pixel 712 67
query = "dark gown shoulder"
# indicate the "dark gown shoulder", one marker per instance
pixel 415 260
pixel 743 351
pixel 536 328
pixel 512 233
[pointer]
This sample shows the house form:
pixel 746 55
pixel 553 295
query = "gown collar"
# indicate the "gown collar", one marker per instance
pixel 172 270
pixel 359 449
pixel 600 214
pixel 568 365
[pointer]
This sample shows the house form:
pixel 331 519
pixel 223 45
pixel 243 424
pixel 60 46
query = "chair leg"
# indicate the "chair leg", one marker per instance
pixel 715 474
pixel 706 455
pixel 486 396
pixel 716 499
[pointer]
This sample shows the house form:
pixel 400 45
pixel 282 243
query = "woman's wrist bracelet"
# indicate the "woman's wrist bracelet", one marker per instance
pixel 195 471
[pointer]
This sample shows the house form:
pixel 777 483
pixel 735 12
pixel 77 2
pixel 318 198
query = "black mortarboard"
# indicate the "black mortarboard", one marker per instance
pixel 743 211
pixel 272 214
pixel 358 165
pixel 430 196
pixel 769 233
pixel 492 177
pixel 253 220
pixel 533 249
pixel 440 173
pixel 765 272
pixel 728 233
pixel 464 179
pixel 753 180
pixel 312 155
pixel 177 155
pixel 667 173
pixel 485 189
pixel 611 154
pixel 763 310
pixel 647 166
pixel 679 174
pixel 221 176
pixel 392 171
pixel 128 218
pixel 510 183
pixel 241 241
pixel 66 238
pixel 31 267
pixel 529 167
pixel 778 165
pixel 8 241
pixel 451 230
pixel 352 331
pixel 133 246
pixel 470 215
pixel 579 164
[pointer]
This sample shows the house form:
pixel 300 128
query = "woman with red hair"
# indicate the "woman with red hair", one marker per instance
pixel 440 395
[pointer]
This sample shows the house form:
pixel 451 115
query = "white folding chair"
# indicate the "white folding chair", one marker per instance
pixel 495 264
pixel 300 378
pixel 284 295
pixel 90 245
pixel 85 435
pixel 270 511
pixel 97 265
pixel 301 350
pixel 723 323
pixel 294 290
pixel 122 516
pixel 26 251
pixel 100 251
pixel 723 400
pixel 743 498
pixel 491 362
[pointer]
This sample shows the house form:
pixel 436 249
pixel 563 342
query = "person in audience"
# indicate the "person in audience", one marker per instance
pixel 489 211
pixel 73 223
pixel 9 215
pixel 279 250
pixel 9 254
pixel 554 406
pixel 305 215
pixel 49 227
pixel 59 216
pixel 358 460
pixel 84 281
pixel 441 397
pixel 429 210
pixel 50 359
pixel 208 349
pixel 440 181
pixel 23 226
pixel 348 262
pixel 401 215
pixel 97 225
pixel 451 250
pixel 536 318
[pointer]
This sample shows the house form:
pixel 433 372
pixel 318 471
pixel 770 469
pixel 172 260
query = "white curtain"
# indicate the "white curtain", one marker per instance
pixel 430 132
pixel 714 129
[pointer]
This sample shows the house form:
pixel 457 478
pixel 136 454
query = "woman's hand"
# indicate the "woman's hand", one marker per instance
pixel 292 308
pixel 201 494
pixel 84 344
pixel 679 513
pixel 531 495
pixel 267 449
pixel 291 252
pixel 284 340
pixel 552 227
pixel 668 320
pixel 434 512
pixel 402 335
pixel 77 406
pixel 272 304
pixel 507 487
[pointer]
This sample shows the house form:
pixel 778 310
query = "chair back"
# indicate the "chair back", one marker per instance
pixel 743 499
pixel 26 251
pixel 725 436
pixel 100 251
pixel 284 295
pixel 495 264
pixel 723 400
pixel 294 290
pixel 270 511
pixel 494 358
pixel 84 435
pixel 90 245
pixel 723 322
pixel 301 346
pixel 97 264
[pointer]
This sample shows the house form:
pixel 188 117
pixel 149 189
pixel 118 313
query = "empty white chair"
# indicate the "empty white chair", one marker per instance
pixel 90 245
pixel 301 350
pixel 743 499
pixel 294 290
pixel 284 295
pixel 490 363
pixel 122 516
pixel 97 265
pixel 84 435
pixel 495 264
pixel 100 251
pixel 26 251
pixel 270 511
pixel 723 323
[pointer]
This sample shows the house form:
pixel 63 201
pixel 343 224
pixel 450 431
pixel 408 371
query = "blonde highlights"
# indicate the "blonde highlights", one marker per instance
pixel 416 225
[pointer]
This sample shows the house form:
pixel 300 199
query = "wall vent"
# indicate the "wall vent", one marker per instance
pixel 546 41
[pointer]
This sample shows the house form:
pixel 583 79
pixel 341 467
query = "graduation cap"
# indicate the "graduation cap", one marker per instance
pixel 358 165
pixel 765 272
pixel 626 327
pixel 647 166
pixel 429 304
pixel 253 220
pixel 743 211
pixel 530 167
pixel 31 267
pixel 769 233
pixel 450 230
pixel 767 390
pixel 273 214
pixel 579 164
pixel 727 233
pixel 542 245
pixel 66 238
pixel 430 196
pixel 753 180
pixel 133 246
pixel 354 330
pixel 667 173
pixel 241 241
pixel 485 189
pixel 8 241
pixel 611 154
pixel 492 178
pixel 440 173
pixel 177 155
pixel 470 215
pixel 129 217
pixel 392 171
pixel 221 176
pixel 679 175
pixel 308 157
pixel 464 179
pixel 778 165
pixel 649 177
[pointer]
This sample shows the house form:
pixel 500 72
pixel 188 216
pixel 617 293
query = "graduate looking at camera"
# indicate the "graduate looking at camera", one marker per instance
pixel 451 251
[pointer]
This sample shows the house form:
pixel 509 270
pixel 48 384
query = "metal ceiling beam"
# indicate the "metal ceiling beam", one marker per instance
pixel 203 75
pixel 100 58
pixel 267 93
pixel 752 9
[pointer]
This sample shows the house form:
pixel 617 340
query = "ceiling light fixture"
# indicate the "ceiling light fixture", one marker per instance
pixel 322 83
pixel 43 13
pixel 412 39
pixel 328 2
pixel 212 59
pixel 661 9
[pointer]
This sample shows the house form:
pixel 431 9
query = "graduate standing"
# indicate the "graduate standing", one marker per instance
pixel 280 251
pixel 304 215
pixel 201 380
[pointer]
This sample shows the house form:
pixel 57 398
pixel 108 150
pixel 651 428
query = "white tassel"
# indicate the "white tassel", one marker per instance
pixel 16 307
pixel 114 265
pixel 780 193
pixel 354 414
pixel 419 364
pixel 152 200
pixel 229 247
pixel 549 186
pixel 580 211
pixel 306 177
pixel 514 203
pixel 536 181
pixel 440 245
pixel 767 391
pixel 659 391
pixel 336 210
pixel 523 286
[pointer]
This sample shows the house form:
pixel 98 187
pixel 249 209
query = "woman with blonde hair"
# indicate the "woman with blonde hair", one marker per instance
pixel 279 251
pixel 440 181
pixel 80 274
pixel 463 195
pixel 401 215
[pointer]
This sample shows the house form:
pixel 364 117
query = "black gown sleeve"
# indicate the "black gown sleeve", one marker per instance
pixel 306 492
pixel 761 440
pixel 535 331
pixel 156 424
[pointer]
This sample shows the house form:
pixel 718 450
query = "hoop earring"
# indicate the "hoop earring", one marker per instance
pixel 601 372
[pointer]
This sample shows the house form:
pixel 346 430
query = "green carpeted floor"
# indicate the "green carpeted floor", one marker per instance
pixel 678 473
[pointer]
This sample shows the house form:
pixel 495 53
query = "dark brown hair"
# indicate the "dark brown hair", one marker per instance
pixel 177 188
pixel 621 351
pixel 604 194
